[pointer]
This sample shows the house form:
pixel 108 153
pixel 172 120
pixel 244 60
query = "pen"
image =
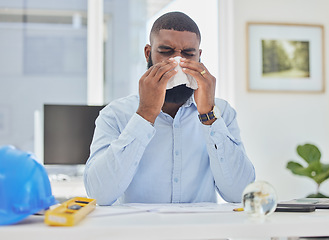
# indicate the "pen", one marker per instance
pixel 238 209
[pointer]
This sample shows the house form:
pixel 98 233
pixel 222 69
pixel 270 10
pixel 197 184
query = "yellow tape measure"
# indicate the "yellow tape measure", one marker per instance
pixel 70 212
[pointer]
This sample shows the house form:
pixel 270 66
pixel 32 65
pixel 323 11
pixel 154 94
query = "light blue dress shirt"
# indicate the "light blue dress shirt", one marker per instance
pixel 177 160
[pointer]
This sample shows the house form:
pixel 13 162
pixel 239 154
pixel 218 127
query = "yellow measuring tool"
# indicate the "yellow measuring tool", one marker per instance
pixel 70 212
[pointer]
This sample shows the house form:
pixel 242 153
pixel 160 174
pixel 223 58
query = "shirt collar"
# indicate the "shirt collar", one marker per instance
pixel 190 101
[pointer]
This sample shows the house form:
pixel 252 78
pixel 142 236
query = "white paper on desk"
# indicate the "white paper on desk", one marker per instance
pixel 186 207
pixel 104 211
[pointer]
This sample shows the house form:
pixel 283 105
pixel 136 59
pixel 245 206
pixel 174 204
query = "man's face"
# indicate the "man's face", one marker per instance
pixel 169 44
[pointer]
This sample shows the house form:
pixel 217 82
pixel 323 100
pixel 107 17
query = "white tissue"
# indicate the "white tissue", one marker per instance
pixel 181 78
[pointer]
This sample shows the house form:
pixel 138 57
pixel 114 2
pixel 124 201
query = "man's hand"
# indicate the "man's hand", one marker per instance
pixel 205 94
pixel 152 88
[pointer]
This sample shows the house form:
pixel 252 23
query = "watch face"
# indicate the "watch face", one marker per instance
pixel 216 112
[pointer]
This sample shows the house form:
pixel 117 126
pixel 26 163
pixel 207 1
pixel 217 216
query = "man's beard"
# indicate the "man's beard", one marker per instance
pixel 179 94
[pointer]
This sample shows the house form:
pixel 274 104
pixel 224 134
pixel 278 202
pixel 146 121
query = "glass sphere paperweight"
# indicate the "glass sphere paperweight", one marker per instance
pixel 259 199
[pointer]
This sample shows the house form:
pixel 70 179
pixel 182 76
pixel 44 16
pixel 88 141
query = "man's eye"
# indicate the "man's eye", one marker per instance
pixel 166 53
pixel 189 54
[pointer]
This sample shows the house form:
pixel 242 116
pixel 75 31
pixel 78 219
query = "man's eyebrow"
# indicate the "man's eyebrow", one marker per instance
pixel 189 50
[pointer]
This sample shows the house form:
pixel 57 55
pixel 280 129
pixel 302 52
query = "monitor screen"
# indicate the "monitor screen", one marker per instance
pixel 68 132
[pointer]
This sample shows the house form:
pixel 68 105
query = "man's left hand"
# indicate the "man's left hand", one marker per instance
pixel 205 94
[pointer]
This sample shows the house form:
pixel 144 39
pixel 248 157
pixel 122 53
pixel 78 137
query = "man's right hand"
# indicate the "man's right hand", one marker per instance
pixel 152 89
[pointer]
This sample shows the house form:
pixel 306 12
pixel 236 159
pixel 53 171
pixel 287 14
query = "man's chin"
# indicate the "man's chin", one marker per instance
pixel 179 94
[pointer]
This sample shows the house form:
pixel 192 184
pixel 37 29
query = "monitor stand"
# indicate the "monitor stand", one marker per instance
pixel 66 181
pixel 64 172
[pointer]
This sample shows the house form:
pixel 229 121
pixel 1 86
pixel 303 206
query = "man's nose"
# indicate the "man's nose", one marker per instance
pixel 178 53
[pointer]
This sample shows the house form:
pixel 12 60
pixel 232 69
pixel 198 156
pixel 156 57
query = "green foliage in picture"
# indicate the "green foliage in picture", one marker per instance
pixel 315 170
pixel 284 58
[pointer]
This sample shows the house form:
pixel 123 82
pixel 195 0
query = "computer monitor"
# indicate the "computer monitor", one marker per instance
pixel 68 132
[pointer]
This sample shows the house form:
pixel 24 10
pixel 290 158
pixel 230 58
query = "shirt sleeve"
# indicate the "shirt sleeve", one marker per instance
pixel 231 168
pixel 115 155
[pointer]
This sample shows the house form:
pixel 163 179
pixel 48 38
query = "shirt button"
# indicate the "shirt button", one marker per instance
pixel 176 179
pixel 212 133
pixel 176 126
pixel 177 153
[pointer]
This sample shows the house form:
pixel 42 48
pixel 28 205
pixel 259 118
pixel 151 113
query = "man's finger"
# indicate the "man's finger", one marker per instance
pixel 165 69
pixel 165 77
pixel 156 67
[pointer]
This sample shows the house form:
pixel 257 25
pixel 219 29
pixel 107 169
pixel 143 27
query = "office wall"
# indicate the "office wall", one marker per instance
pixel 273 124
pixel 40 62
pixel 29 76
pixel 47 63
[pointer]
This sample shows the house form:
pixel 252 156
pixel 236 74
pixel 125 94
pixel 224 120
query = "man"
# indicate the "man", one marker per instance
pixel 168 146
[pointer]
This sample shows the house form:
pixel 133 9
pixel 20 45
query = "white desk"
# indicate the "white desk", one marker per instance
pixel 152 225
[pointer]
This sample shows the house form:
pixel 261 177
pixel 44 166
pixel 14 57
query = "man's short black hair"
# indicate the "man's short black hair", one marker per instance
pixel 177 21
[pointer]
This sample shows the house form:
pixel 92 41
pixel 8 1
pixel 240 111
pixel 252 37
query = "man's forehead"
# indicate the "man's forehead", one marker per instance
pixel 173 37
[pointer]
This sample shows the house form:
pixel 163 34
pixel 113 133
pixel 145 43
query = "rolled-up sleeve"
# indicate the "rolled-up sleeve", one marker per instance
pixel 231 168
pixel 115 155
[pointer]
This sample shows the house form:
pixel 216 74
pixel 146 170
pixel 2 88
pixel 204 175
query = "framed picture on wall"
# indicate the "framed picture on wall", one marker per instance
pixel 285 57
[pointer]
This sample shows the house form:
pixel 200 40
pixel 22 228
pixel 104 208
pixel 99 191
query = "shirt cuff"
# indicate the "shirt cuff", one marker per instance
pixel 141 129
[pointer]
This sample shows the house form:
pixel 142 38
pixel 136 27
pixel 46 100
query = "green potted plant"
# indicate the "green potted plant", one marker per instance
pixel 315 170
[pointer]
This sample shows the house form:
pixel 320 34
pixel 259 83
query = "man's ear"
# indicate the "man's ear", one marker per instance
pixel 147 51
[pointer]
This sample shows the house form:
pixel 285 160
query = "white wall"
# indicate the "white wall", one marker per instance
pixel 273 124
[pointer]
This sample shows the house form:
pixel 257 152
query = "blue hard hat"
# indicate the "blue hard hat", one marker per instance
pixel 24 186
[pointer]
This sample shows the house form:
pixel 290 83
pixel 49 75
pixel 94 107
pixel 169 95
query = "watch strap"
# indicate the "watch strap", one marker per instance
pixel 207 116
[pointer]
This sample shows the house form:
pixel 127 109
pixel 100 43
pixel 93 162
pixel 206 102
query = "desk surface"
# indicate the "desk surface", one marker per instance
pixel 155 225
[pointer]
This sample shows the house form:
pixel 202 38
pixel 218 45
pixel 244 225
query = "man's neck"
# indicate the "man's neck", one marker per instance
pixel 171 108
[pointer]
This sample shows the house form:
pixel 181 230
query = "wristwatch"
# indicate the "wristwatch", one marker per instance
pixel 214 113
